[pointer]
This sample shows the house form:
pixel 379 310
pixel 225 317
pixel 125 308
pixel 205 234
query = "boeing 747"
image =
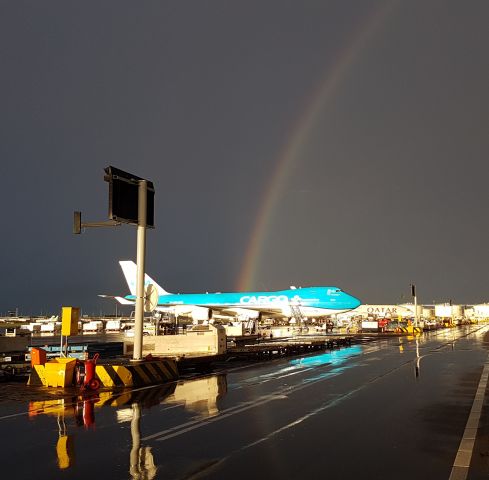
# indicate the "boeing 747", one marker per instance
pixel 309 301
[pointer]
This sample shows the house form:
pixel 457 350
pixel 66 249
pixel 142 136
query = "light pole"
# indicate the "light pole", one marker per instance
pixel 141 258
pixel 415 301
pixel 131 200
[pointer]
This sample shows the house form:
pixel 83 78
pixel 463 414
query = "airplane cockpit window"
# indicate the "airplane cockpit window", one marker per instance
pixel 333 291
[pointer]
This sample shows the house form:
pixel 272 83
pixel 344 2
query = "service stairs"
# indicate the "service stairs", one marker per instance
pixel 297 314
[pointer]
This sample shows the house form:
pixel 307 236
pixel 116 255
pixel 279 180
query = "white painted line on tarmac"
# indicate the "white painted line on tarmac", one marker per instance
pixel 193 424
pixel 239 408
pixel 21 414
pixel 281 393
pixel 461 465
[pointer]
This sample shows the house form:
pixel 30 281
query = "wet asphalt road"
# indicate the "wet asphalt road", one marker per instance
pixel 393 408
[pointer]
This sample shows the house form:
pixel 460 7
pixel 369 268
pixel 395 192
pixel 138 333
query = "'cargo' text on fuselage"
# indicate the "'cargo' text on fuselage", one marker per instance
pixel 263 299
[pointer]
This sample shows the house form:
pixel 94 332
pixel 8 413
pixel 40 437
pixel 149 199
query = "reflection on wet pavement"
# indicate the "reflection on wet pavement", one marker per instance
pixel 198 396
pixel 201 395
pixel 424 383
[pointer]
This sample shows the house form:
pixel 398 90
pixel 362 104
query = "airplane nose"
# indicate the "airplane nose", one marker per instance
pixel 355 301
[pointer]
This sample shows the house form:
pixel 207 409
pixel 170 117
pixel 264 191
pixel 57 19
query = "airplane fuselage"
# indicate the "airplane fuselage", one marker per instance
pixel 326 300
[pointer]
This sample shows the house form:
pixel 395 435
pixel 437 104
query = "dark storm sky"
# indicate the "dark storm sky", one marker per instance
pixel 388 187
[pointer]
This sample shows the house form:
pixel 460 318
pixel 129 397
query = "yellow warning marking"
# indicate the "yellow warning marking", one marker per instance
pixel 170 368
pixel 65 450
pixel 118 375
pixel 153 371
pixel 167 368
pixel 122 399
pixel 104 398
pixel 124 374
pixel 141 372
pixel 105 378
pixel 47 407
pixel 168 373
pixel 171 365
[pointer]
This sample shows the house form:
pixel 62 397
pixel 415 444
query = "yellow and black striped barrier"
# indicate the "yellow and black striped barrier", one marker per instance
pixel 130 375
pixel 136 375
pixel 409 329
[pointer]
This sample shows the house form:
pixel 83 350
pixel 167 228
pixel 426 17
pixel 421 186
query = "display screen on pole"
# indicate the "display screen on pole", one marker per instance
pixel 123 197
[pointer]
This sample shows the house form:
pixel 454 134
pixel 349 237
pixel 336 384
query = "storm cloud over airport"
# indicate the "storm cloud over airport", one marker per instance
pixel 290 143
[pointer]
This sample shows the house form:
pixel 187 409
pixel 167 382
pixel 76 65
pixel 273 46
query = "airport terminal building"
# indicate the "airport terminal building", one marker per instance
pixel 425 312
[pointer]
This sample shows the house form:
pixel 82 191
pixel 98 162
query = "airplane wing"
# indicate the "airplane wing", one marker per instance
pixel 233 310
pixel 121 300
pixel 230 310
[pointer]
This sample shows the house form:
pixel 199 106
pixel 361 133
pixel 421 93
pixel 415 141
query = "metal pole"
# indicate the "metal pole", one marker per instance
pixel 141 256
pixel 415 311
pixel 413 293
pixel 134 468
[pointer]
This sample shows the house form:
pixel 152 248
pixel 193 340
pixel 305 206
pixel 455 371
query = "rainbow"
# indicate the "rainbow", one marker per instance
pixel 298 135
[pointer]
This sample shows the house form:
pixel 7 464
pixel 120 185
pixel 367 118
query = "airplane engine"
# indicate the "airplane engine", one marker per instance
pixel 201 314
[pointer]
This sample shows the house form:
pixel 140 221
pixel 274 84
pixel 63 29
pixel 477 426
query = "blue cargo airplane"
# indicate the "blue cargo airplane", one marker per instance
pixel 311 301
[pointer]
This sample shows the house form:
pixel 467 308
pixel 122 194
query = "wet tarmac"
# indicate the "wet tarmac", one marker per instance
pixel 392 408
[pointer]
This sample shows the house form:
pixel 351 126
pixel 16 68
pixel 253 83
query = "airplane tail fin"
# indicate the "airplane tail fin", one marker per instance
pixel 130 272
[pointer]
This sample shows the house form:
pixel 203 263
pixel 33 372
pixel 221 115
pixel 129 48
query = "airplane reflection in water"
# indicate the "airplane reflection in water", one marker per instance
pixel 337 359
pixel 199 396
pixel 292 367
pixel 334 357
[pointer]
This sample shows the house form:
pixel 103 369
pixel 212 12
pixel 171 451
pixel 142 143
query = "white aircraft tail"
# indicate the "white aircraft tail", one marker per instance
pixel 130 272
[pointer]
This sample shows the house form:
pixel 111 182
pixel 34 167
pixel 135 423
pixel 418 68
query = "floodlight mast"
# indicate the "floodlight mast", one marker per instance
pixel 122 211
pixel 140 260
pixel 415 298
